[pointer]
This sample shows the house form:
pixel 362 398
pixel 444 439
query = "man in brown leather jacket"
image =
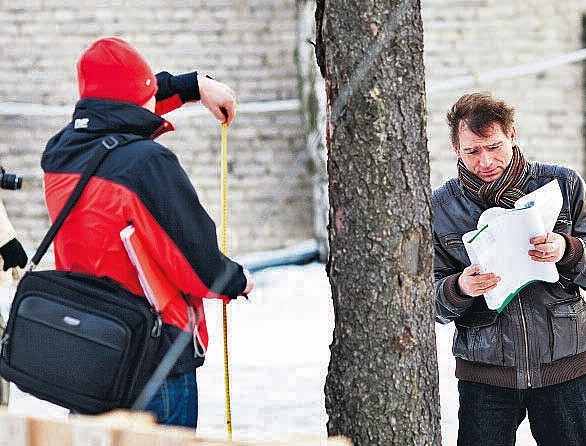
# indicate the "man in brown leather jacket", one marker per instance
pixel 530 359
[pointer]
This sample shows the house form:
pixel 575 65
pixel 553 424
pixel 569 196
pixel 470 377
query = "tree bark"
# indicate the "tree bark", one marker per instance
pixel 382 383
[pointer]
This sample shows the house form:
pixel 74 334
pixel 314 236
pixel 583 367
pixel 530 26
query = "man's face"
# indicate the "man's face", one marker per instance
pixel 488 156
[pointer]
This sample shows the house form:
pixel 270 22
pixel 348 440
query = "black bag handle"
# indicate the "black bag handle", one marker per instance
pixel 107 144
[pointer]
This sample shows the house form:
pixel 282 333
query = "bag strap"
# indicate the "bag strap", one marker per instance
pixel 106 145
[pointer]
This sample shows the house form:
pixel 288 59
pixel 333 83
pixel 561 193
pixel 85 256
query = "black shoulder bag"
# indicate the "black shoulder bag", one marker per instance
pixel 76 340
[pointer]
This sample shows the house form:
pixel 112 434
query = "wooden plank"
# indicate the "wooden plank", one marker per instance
pixel 14 429
pixel 85 434
pixel 49 432
pixel 114 428
pixel 300 440
pixel 122 428
pixel 339 441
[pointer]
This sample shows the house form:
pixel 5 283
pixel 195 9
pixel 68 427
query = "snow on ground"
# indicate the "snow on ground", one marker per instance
pixel 279 352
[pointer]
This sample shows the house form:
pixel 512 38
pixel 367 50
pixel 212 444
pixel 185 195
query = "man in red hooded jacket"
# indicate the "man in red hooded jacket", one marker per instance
pixel 142 183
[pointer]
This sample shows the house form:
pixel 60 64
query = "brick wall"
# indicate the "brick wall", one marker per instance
pixel 248 44
pixel 471 37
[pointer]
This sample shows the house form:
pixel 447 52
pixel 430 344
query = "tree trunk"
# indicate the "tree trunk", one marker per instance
pixel 382 384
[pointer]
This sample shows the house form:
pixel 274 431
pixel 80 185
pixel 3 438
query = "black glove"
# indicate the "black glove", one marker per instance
pixel 13 255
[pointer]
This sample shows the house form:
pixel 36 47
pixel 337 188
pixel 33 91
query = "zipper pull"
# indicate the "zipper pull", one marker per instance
pixel 156 331
pixel 4 344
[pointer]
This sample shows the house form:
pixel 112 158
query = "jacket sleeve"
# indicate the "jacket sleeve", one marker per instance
pixel 572 267
pixel 179 232
pixel 450 304
pixel 174 91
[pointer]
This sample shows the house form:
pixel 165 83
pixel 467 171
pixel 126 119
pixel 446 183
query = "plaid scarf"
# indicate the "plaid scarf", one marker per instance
pixel 502 192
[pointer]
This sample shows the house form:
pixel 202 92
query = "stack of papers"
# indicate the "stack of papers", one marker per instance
pixel 500 244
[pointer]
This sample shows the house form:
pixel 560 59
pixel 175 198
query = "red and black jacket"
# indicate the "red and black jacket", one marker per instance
pixel 143 184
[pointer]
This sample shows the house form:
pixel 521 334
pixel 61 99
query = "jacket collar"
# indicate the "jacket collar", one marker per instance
pixel 105 116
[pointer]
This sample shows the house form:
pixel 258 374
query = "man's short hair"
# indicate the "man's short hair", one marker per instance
pixel 478 111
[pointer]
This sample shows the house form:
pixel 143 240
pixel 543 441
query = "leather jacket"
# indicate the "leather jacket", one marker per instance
pixel 544 323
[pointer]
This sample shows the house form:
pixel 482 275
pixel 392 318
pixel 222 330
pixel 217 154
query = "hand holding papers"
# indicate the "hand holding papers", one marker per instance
pixel 501 243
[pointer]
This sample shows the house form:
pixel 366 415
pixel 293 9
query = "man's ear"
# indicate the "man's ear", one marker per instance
pixel 514 136
pixel 457 150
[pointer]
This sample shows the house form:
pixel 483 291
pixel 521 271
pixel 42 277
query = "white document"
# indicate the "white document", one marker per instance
pixel 500 244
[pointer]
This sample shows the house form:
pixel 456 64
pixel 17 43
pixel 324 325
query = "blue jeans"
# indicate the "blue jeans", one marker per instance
pixel 175 403
pixel 490 416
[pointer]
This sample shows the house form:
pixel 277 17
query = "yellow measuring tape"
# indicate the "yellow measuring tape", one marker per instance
pixel 224 248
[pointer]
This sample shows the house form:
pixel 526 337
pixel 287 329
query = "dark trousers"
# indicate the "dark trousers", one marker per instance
pixel 490 416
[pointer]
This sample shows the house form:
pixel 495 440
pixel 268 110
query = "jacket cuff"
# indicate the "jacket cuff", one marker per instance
pixel 453 294
pixel 183 85
pixel 573 254
pixel 186 86
pixel 237 283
